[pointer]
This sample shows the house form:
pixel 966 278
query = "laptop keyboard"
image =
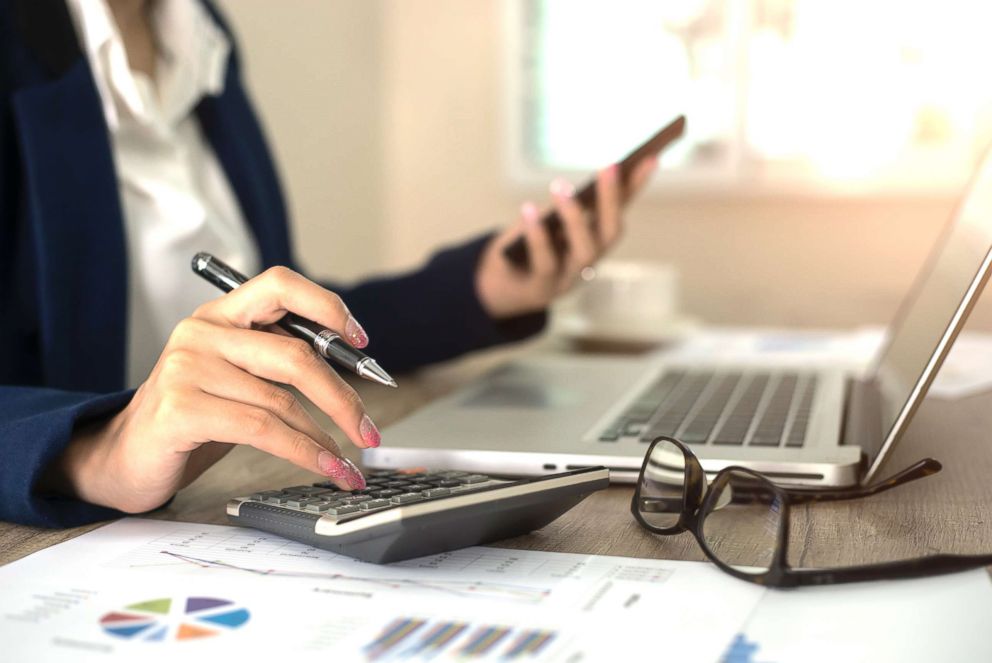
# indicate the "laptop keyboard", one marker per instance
pixel 720 408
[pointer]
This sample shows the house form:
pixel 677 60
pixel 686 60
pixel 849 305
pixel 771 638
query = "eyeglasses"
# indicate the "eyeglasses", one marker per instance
pixel 741 519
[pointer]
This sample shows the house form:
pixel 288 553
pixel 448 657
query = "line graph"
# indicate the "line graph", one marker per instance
pixel 459 588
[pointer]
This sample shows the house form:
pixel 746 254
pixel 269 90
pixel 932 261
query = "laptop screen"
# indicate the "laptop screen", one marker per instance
pixel 936 307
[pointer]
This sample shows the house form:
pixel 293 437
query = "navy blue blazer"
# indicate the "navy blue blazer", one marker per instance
pixel 63 268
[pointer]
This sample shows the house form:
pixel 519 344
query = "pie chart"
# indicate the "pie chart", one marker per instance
pixel 190 618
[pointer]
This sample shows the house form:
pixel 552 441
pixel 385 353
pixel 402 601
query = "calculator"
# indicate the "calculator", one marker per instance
pixel 403 514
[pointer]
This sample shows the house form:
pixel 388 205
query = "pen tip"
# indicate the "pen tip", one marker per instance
pixel 372 371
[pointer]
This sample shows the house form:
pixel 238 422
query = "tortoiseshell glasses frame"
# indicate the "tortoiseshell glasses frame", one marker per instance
pixel 699 501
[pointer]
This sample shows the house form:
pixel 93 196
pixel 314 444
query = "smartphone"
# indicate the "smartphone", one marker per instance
pixel 517 252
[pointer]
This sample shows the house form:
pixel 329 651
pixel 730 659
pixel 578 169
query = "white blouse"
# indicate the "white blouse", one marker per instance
pixel 175 196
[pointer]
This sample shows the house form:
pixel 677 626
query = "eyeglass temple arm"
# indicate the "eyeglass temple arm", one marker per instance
pixel 923 468
pixel 910 568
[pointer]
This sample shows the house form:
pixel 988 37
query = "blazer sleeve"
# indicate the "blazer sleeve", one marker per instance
pixel 35 427
pixel 433 313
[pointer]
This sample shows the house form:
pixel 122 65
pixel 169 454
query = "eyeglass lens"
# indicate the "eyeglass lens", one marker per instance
pixel 743 529
pixel 662 485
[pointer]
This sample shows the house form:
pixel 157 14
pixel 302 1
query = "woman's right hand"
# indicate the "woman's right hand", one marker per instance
pixel 216 384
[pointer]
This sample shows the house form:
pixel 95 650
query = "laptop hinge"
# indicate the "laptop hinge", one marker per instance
pixel 862 425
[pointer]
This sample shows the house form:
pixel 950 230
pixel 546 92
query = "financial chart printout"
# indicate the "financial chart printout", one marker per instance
pixel 153 590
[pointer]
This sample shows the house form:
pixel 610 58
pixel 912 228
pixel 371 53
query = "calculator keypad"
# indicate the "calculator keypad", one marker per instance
pixel 384 489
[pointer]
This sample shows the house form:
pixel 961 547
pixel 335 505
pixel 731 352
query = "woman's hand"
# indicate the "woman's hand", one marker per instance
pixel 506 291
pixel 216 384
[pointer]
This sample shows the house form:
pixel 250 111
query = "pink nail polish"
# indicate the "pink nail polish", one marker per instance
pixel 613 171
pixel 370 434
pixel 355 334
pixel 355 477
pixel 561 188
pixel 341 469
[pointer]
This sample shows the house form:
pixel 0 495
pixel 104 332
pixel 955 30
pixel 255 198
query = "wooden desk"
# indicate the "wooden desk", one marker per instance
pixel 949 512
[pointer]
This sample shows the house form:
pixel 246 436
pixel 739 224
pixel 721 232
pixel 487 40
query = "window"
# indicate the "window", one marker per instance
pixel 887 96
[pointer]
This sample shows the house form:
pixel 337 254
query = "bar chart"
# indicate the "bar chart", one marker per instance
pixel 411 638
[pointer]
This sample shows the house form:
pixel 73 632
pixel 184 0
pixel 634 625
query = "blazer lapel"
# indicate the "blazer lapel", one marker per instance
pixel 236 137
pixel 73 209
pixel 73 202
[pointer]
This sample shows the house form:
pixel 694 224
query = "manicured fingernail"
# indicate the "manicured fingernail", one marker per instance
pixel 529 213
pixel 653 160
pixel 341 469
pixel 370 434
pixel 355 477
pixel 613 171
pixel 356 335
pixel 561 188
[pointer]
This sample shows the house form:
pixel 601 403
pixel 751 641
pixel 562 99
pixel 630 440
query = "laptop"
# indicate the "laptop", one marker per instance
pixel 803 425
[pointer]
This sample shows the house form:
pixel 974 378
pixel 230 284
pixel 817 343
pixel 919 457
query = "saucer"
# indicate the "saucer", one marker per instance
pixel 577 327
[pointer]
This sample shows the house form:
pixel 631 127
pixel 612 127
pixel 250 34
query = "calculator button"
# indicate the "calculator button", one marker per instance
pixel 452 474
pixel 417 487
pixel 318 507
pixel 436 492
pixel 406 498
pixel 449 483
pixel 303 490
pixel 397 484
pixel 299 503
pixel 387 493
pixel 355 499
pixel 475 478
pixel 373 504
pixel 342 510
pixel 277 499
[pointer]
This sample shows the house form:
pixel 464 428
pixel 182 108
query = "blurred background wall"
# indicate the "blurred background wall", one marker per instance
pixel 388 121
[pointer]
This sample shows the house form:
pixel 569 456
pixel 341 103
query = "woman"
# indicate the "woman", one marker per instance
pixel 128 144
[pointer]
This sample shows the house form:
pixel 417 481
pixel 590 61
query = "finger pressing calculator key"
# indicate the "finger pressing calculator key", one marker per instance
pixel 404 514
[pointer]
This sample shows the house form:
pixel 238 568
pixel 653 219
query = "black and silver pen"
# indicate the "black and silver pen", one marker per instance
pixel 327 343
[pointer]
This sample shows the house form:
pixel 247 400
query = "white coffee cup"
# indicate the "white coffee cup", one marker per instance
pixel 631 296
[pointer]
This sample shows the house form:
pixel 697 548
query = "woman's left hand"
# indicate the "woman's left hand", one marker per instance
pixel 506 290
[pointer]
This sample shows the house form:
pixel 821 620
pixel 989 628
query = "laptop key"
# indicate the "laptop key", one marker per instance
pixel 768 432
pixel 796 436
pixel 735 427
pixel 634 429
